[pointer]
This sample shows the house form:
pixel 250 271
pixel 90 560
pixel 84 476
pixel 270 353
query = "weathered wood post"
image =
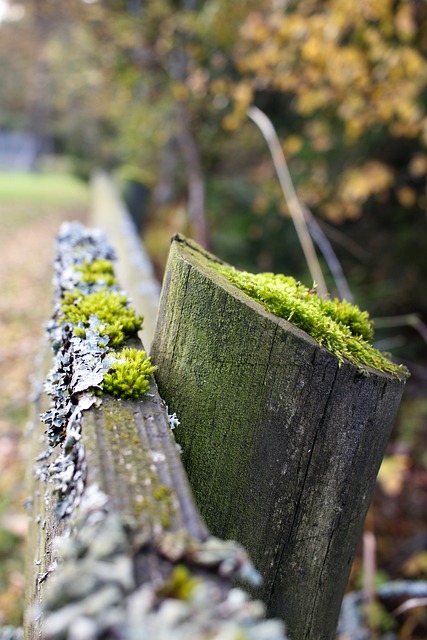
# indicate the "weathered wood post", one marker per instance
pixel 281 443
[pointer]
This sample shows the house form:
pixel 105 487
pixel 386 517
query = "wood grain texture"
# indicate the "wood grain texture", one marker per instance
pixel 281 444
pixel 131 456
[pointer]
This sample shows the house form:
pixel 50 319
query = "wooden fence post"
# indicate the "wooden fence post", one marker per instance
pixel 281 444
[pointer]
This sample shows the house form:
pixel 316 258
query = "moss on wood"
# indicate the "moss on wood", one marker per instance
pixel 129 376
pixel 112 310
pixel 337 325
pixel 98 271
pixel 135 551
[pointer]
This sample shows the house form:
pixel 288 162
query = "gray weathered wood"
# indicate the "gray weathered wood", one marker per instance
pixel 281 444
pixel 134 268
pixel 132 546
pixel 131 455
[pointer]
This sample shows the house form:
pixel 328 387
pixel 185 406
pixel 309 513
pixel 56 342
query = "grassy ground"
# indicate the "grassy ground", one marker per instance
pixel 32 207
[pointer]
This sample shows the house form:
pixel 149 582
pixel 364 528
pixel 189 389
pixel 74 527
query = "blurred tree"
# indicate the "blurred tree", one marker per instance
pixel 355 74
pixel 345 84
pixel 163 86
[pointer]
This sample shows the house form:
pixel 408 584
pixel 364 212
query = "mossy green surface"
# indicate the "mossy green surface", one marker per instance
pixel 129 376
pixel 120 320
pixel 180 585
pixel 337 325
pixel 101 271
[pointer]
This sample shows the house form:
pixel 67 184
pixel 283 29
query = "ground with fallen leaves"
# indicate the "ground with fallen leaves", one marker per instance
pixel 27 231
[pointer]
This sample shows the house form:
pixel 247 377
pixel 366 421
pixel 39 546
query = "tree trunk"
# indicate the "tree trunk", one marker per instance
pixel 196 180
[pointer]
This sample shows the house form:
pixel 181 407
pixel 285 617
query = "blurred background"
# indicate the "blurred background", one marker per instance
pixel 157 93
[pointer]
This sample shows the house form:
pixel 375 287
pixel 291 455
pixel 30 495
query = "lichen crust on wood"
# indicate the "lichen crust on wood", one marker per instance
pixel 281 441
pixel 125 552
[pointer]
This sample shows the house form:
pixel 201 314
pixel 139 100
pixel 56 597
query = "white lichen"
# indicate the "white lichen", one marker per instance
pixel 173 421
pixel 95 588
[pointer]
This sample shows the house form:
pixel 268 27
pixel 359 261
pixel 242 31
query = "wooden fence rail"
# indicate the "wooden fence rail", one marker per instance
pixel 280 441
pixel 117 548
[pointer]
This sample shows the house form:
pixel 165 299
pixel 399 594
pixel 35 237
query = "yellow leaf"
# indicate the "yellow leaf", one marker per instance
pixel 392 474
pixel 416 565
pixel 292 145
pixel 333 211
pixel 404 23
pixel 243 94
pixel 407 196
pixel 418 165
pixel 230 122
pixel 372 178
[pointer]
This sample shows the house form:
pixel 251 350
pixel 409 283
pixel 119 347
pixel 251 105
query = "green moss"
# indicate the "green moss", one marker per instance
pixel 337 325
pixel 129 377
pixel 98 271
pixel 79 332
pixel 180 584
pixel 162 492
pixel 121 321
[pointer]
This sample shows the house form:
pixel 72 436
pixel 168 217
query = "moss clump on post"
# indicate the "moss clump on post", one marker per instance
pixel 129 376
pixel 112 310
pixel 337 325
pixel 98 271
pixel 181 584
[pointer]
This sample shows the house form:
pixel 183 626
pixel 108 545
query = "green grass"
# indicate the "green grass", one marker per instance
pixel 41 189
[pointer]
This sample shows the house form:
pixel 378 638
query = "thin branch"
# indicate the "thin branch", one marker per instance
pixel 329 254
pixel 369 569
pixel 295 209
pixel 407 320
pixel 412 603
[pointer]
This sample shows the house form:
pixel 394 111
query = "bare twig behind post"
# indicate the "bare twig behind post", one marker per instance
pixel 295 208
pixel 329 254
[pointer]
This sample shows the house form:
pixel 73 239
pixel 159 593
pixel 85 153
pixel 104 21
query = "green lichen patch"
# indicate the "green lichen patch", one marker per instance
pixel 180 585
pixel 98 271
pixel 337 325
pixel 120 321
pixel 129 376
